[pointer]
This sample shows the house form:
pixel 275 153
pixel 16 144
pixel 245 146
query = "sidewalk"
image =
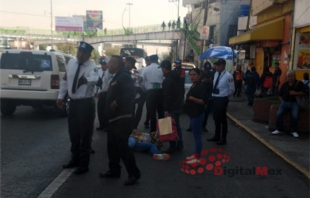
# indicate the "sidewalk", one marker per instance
pixel 295 151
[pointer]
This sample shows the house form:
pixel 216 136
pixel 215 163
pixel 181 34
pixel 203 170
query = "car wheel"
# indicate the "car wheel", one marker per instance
pixel 8 107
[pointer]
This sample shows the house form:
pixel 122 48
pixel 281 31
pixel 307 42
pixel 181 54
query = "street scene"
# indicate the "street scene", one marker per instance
pixel 172 98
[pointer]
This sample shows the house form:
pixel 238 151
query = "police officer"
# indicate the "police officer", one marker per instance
pixel 119 103
pixel 153 77
pixel 223 87
pixel 81 76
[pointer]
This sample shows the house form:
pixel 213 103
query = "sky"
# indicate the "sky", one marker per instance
pixel 35 14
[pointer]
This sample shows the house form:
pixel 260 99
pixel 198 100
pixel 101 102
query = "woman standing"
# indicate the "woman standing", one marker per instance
pixel 194 107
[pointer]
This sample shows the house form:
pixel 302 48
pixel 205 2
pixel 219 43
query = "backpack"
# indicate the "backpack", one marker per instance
pixel 250 79
pixel 268 82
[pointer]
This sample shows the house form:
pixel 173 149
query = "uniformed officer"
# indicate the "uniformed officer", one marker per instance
pixel 223 87
pixel 119 103
pixel 153 77
pixel 81 76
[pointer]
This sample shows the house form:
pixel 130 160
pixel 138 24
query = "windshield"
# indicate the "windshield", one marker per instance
pixel 26 62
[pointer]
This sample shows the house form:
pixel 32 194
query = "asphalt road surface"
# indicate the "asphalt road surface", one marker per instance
pixel 35 144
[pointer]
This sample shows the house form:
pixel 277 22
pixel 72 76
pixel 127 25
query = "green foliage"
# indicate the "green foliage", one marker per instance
pixel 95 56
pixel 43 47
pixel 168 56
pixel 68 48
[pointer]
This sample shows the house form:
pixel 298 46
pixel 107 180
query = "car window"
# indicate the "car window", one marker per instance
pixel 26 61
pixel 61 63
pixel 68 58
pixel 187 80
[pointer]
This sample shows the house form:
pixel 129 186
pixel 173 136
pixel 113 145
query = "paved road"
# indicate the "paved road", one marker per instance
pixel 35 144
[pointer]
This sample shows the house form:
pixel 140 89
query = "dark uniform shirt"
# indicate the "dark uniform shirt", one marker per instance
pixel 277 73
pixel 286 88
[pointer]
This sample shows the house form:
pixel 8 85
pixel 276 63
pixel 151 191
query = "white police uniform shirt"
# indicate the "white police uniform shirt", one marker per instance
pixel 106 81
pixel 88 70
pixel 225 85
pixel 152 77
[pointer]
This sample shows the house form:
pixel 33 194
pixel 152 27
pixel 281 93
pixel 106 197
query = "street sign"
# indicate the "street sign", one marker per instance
pixel 204 33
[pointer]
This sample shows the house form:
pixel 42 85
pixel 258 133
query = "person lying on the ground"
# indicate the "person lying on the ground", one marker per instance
pixel 145 142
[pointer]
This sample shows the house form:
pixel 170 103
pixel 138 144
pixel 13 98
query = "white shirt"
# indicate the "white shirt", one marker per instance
pixel 225 85
pixel 152 77
pixel 89 70
pixel 106 81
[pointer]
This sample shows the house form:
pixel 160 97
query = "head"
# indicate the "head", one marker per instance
pixel 115 64
pixel 276 65
pixel 220 65
pixel 104 65
pixel 194 75
pixel 130 63
pixel 165 67
pixel 207 67
pixel 238 67
pixel 266 69
pixel 147 61
pixel 253 69
pixel 290 76
pixel 84 52
pixel 154 59
pixel 306 76
pixel 178 63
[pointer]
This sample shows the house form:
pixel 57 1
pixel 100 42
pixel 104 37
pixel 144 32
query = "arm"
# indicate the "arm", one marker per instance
pixel 167 94
pixel 182 73
pixel 93 77
pixel 62 93
pixel 196 100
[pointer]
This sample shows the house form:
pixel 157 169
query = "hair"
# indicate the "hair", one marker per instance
pixel 247 71
pixel 119 59
pixel 306 76
pixel 253 69
pixel 290 72
pixel 195 70
pixel 266 69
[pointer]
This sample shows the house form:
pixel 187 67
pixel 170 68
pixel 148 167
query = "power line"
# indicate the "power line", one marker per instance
pixel 302 14
pixel 23 13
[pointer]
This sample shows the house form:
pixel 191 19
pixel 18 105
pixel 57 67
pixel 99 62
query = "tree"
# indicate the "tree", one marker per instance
pixel 95 56
pixel 68 48
pixel 168 57
pixel 109 51
pixel 42 47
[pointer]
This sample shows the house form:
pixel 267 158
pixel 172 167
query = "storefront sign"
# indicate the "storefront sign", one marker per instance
pixel 302 52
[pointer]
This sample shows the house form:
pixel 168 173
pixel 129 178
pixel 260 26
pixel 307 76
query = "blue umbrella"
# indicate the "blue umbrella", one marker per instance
pixel 218 52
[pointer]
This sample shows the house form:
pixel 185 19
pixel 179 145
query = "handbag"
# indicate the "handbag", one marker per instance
pixel 302 102
pixel 167 129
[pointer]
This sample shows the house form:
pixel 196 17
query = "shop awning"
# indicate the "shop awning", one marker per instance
pixel 269 31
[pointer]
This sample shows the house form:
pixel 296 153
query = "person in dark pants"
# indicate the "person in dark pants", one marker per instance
pixel 173 102
pixel 178 68
pixel 147 119
pixel 152 77
pixel 101 94
pixel 78 83
pixel 276 79
pixel 238 79
pixel 222 89
pixel 119 103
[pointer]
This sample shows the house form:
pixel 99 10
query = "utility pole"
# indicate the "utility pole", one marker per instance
pixel 52 24
pixel 129 4
pixel 205 19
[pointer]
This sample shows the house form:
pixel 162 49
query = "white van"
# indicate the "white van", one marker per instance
pixel 31 77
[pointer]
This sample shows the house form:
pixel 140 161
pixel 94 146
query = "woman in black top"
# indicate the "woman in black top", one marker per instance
pixel 195 105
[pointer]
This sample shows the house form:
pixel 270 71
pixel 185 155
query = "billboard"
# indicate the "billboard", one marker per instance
pixel 69 23
pixel 93 19
pixel 302 53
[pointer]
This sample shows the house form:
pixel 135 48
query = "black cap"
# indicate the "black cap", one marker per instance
pixel 103 61
pixel 178 62
pixel 147 58
pixel 132 61
pixel 154 57
pixel 207 66
pixel 220 62
pixel 85 47
pixel 166 64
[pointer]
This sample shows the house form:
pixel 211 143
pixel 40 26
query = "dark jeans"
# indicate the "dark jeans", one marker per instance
pixel 283 108
pixel 154 102
pixel 138 112
pixel 275 89
pixel 100 108
pixel 196 123
pixel 118 134
pixel 250 93
pixel 219 116
pixel 179 143
pixel 81 125
pixel 238 87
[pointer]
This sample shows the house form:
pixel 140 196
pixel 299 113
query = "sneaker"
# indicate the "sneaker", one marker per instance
pixel 190 157
pixel 163 157
pixel 295 134
pixel 193 160
pixel 276 132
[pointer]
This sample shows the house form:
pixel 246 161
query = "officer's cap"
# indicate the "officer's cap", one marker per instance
pixel 153 57
pixel 165 64
pixel 178 62
pixel 207 66
pixel 85 47
pixel 103 61
pixel 220 62
pixel 147 58
pixel 132 61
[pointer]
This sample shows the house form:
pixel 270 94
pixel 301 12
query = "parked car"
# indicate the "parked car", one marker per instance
pixel 31 78
pixel 186 66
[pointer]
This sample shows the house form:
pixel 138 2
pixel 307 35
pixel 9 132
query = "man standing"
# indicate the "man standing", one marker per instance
pixel 276 79
pixel 223 87
pixel 173 102
pixel 238 78
pixel 101 94
pixel 81 76
pixel 152 77
pixel 119 103
pixel 178 68
pixel 147 120
pixel 287 95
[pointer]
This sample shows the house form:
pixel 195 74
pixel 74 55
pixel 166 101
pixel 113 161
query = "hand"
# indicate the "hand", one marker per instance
pixel 113 107
pixel 60 103
pixel 96 95
pixel 204 80
pixel 82 81
pixel 191 98
pixel 293 92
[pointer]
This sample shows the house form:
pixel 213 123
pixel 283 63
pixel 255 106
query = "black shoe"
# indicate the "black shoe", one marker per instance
pixel 99 128
pixel 170 150
pixel 70 165
pixel 131 180
pixel 109 174
pixel 214 139
pixel 80 171
pixel 221 142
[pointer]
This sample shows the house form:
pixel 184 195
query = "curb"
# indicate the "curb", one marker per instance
pixel 271 147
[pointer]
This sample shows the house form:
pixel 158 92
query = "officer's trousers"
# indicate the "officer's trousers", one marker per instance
pixel 81 125
pixel 154 102
pixel 219 116
pixel 100 108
